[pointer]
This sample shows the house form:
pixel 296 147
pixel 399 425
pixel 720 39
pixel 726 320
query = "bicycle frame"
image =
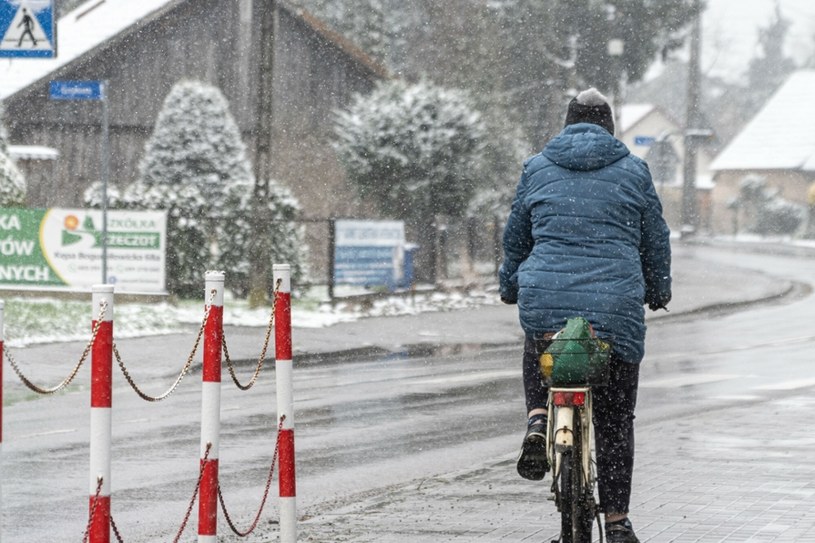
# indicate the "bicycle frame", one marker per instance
pixel 560 432
pixel 570 436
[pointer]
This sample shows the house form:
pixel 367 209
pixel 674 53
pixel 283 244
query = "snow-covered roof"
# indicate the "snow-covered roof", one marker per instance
pixel 78 32
pixel 32 152
pixel 631 114
pixel 781 135
pixel 95 22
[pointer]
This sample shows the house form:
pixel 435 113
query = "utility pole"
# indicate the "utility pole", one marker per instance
pixel 105 177
pixel 260 249
pixel 689 218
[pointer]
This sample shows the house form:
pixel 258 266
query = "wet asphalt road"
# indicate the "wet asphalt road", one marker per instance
pixel 363 425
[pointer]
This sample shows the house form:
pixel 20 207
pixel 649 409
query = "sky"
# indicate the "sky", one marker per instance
pixel 730 32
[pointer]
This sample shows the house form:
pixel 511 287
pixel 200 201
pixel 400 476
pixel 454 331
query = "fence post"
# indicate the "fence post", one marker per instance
pixel 1 410
pixel 285 403
pixel 101 403
pixel 211 408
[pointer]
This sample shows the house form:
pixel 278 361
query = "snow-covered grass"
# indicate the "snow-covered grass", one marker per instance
pixel 46 320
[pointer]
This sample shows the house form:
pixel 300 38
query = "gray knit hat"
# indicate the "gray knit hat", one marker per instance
pixel 590 106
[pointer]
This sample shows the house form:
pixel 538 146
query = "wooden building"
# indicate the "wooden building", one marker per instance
pixel 142 48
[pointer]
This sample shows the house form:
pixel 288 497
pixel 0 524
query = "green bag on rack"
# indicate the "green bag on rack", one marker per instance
pixel 578 357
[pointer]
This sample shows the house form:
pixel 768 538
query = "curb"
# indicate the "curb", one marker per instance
pixel 413 350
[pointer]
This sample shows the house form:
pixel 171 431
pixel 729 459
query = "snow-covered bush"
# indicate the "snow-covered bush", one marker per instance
pixel 415 151
pixel 413 148
pixel 193 157
pixel 767 212
pixel 12 183
pixel 195 142
pixel 235 235
pixel 3 133
pixel 195 167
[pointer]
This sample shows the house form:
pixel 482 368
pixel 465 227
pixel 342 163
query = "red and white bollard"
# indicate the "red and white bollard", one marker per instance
pixel 101 402
pixel 285 404
pixel 211 409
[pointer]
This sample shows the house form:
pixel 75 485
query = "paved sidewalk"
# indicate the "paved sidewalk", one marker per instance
pixel 683 491
pixel 695 497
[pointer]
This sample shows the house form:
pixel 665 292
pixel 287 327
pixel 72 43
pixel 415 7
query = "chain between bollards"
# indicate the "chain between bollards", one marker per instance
pixel 189 507
pixel 184 370
pixel 262 356
pixel 93 509
pixel 65 382
pixel 194 495
pixel 265 492
pixel 116 531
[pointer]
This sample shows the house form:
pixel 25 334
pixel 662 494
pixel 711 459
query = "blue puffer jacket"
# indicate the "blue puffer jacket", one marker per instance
pixel 586 237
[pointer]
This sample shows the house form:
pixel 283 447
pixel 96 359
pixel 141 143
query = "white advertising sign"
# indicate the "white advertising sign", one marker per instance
pixel 63 248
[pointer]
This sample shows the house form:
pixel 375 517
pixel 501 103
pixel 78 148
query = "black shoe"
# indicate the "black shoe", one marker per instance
pixel 620 532
pixel 532 462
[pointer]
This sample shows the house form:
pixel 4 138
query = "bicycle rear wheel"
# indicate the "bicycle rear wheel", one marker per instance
pixel 576 501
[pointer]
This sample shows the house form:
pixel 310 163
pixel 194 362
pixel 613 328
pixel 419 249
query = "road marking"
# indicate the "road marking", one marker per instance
pixel 470 377
pixel 688 380
pixel 49 433
pixel 788 385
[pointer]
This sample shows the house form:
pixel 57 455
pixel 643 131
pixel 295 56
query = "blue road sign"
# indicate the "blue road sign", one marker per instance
pixel 28 28
pixel 645 141
pixel 77 90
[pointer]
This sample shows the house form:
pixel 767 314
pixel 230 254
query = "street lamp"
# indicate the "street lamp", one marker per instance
pixel 616 48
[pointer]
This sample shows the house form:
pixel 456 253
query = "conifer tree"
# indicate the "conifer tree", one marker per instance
pixel 12 182
pixel 195 167
pixel 192 158
pixel 3 133
pixel 195 142
pixel 770 69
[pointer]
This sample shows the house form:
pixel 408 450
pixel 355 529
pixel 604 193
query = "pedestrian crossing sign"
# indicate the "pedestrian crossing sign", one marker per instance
pixel 27 28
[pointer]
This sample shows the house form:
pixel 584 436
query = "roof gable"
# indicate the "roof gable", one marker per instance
pixel 631 114
pixel 781 136
pixel 94 24
pixel 79 32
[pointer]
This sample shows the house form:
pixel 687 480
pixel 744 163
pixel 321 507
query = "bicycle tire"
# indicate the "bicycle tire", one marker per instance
pixel 577 510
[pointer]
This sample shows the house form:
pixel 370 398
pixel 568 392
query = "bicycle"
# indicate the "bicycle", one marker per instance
pixel 574 361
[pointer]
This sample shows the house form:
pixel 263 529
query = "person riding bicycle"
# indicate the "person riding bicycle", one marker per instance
pixel 586 237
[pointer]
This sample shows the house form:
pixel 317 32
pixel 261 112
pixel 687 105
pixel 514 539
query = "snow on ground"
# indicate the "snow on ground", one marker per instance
pixel 30 321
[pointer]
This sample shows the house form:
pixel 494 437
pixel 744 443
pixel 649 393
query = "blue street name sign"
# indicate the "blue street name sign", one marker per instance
pixel 645 141
pixel 28 29
pixel 77 90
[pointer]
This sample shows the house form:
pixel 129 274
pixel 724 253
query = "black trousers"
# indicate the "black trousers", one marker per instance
pixel 613 407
